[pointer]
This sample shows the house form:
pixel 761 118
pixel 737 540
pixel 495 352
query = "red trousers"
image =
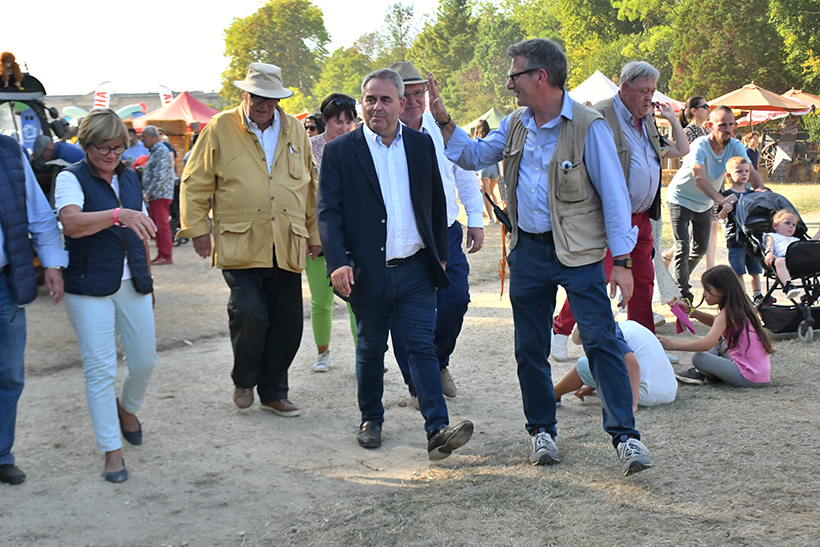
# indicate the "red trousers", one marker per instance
pixel 639 308
pixel 158 211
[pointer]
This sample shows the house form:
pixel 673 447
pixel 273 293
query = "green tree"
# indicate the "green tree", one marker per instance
pixel 536 18
pixel 719 46
pixel 343 72
pixel 798 22
pixel 299 102
pixel 445 47
pixel 399 30
pixel 290 34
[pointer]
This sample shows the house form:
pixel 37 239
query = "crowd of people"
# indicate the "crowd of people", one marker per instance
pixel 369 212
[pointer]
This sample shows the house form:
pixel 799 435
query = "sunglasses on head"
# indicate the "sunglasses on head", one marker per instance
pixel 344 100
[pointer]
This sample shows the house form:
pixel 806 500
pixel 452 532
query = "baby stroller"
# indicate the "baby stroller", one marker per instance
pixel 753 216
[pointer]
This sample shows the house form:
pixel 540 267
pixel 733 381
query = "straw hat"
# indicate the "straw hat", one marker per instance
pixel 265 81
pixel 409 74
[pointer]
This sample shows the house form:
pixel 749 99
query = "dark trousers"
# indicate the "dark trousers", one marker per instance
pixel 451 305
pixel 265 319
pixel 12 349
pixel 407 301
pixel 535 274
pixel 686 259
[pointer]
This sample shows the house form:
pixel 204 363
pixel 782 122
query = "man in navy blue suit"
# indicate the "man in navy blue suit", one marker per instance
pixel 383 224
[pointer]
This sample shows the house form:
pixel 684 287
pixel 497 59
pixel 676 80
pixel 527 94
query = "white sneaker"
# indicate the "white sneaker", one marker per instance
pixel 322 363
pixel 634 456
pixel 544 451
pixel 558 351
pixel 659 319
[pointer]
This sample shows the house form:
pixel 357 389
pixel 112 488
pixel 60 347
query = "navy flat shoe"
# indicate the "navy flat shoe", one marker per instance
pixel 117 476
pixel 133 437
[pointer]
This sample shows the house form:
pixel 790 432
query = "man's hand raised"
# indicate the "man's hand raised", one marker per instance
pixel 438 111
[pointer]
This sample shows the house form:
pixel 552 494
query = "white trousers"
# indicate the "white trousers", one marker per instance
pixel 97 321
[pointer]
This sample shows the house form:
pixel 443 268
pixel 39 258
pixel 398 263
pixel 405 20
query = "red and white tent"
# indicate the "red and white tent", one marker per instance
pixel 183 107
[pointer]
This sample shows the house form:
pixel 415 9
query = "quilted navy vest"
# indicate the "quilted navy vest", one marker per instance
pixel 95 262
pixel 14 219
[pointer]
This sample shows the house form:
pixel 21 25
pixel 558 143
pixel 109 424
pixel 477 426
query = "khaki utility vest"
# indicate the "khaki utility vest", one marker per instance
pixel 607 109
pixel 575 206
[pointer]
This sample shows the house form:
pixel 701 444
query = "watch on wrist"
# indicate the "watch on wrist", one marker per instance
pixel 623 263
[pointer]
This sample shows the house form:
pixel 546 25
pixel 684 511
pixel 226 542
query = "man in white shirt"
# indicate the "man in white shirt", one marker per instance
pixel 24 210
pixel 383 224
pixel 452 301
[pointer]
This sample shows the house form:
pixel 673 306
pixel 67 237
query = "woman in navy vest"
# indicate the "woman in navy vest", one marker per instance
pixel 108 281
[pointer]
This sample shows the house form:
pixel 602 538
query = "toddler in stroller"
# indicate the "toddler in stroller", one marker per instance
pixel 754 214
pixel 776 243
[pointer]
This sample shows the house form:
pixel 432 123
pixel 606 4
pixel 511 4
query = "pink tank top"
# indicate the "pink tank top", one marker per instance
pixel 751 357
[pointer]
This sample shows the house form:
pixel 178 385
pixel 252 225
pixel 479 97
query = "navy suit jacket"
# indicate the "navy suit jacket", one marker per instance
pixel 353 218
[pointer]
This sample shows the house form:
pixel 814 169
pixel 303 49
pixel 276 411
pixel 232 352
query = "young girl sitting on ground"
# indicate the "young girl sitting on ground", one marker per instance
pixel 736 350
pixel 784 223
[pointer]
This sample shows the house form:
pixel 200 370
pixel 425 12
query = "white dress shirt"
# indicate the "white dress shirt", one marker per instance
pixel 403 236
pixel 452 177
pixel 267 138
pixel 42 225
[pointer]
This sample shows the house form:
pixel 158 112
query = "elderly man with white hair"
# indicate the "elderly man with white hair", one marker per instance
pixel 630 115
pixel 158 190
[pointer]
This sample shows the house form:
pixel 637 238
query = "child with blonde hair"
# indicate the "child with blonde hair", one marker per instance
pixel 784 223
pixel 738 170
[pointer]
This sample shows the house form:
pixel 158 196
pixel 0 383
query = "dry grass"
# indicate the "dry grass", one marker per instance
pixel 733 467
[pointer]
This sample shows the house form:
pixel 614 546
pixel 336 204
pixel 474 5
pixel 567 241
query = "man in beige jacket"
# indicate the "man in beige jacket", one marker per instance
pixel 255 165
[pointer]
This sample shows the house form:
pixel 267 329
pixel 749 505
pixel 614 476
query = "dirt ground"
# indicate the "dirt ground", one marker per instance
pixel 732 467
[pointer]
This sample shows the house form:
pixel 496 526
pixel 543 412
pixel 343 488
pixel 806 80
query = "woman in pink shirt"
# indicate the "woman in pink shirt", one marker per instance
pixel 736 350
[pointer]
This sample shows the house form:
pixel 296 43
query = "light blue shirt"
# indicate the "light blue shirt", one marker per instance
pixel 532 191
pixel 135 152
pixel 403 237
pixel 644 164
pixel 42 225
pixel 683 191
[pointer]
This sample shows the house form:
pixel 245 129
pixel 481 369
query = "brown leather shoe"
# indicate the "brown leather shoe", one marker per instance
pixel 442 444
pixel 282 407
pixel 448 386
pixel 162 261
pixel 243 398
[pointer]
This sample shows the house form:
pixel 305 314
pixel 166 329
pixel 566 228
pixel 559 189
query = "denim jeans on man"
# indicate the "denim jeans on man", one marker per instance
pixel 535 274
pixel 12 348
pixel 451 305
pixel 408 303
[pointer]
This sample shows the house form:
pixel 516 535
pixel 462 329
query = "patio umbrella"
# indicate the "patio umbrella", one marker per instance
pixel 754 98
pixel 807 98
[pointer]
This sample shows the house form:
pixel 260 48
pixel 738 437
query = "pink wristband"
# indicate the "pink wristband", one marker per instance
pixel 117 217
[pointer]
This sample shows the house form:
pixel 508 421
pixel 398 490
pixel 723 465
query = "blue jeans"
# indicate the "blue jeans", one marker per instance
pixel 535 274
pixel 12 347
pixel 741 262
pixel 451 305
pixel 408 303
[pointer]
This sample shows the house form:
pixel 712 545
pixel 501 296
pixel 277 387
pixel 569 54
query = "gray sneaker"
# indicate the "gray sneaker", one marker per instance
pixel 322 363
pixel 634 456
pixel 544 451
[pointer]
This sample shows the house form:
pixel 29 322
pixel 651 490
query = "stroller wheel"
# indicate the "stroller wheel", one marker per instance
pixel 805 333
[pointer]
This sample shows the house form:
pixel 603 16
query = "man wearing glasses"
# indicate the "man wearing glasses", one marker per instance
pixel 254 163
pixel 567 202
pixel 452 301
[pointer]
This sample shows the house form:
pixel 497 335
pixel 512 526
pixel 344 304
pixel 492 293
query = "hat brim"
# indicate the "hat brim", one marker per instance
pixel 267 93
pixel 413 81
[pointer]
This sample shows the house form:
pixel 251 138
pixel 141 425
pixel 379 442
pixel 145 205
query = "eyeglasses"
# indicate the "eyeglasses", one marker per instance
pixel 514 75
pixel 260 99
pixel 311 128
pixel 344 100
pixel 417 95
pixel 105 150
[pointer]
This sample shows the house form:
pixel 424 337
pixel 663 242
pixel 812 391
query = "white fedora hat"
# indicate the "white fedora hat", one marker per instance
pixel 264 80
